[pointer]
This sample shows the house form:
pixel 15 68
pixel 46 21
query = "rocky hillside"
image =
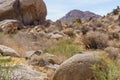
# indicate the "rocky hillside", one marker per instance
pixel 109 23
pixel 73 14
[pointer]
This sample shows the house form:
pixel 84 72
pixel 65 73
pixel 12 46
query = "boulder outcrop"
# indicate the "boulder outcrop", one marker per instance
pixel 26 11
pixel 10 26
pixel 7 51
pixel 77 67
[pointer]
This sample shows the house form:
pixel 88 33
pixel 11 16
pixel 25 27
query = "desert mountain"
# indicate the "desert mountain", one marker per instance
pixel 85 15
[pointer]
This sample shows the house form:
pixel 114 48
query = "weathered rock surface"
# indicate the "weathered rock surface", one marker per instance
pixel 52 59
pixel 27 11
pixel 7 51
pixel 77 67
pixel 24 72
pixel 37 28
pixel 10 26
pixel 43 60
pixel 55 36
pixel 29 54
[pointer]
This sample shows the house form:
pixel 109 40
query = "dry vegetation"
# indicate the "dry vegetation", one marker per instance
pixel 95 40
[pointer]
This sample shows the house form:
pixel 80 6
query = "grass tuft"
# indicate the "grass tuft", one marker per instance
pixel 65 47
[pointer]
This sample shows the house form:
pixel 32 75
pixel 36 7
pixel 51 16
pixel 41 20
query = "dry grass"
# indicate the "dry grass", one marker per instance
pixel 22 42
pixel 14 44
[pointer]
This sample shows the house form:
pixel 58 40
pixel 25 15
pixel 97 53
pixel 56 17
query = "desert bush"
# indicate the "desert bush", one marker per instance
pixel 112 52
pixel 76 22
pixel 99 24
pixel 84 29
pixel 65 47
pixel 114 35
pixel 95 40
pixel 69 32
pixel 107 70
pixel 115 11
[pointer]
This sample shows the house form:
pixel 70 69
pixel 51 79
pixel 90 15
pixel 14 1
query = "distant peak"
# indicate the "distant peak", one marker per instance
pixel 85 15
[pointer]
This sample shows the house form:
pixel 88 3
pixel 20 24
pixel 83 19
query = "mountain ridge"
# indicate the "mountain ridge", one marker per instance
pixel 73 14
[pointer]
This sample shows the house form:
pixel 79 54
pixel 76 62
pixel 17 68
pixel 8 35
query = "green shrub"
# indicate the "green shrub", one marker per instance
pixel 95 40
pixel 107 70
pixel 65 47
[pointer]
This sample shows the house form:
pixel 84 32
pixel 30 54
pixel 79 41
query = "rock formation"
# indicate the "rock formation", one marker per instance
pixel 26 11
pixel 77 67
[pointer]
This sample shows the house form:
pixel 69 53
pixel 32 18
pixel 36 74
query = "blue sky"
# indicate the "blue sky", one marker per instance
pixel 58 8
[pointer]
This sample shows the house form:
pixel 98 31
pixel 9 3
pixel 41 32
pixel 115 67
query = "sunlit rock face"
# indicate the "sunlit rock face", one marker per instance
pixel 26 11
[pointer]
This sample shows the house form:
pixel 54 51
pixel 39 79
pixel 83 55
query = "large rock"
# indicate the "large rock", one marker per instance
pixel 7 51
pixel 10 26
pixel 77 67
pixel 27 11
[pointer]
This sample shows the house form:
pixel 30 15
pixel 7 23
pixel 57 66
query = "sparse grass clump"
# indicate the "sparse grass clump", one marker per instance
pixel 95 40
pixel 65 47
